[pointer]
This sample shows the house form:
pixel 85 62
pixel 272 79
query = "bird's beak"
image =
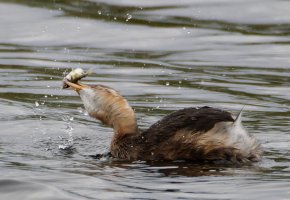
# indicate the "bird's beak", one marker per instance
pixel 76 86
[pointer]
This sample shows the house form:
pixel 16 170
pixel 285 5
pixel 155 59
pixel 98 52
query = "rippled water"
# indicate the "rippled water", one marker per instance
pixel 162 56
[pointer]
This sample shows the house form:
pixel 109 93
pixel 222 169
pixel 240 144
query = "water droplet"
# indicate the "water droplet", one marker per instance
pixel 80 110
pixel 45 29
pixel 128 17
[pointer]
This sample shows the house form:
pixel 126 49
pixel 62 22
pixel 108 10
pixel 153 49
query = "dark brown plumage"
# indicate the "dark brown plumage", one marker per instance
pixel 192 119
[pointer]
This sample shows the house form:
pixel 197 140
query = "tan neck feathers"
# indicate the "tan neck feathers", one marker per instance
pixel 106 105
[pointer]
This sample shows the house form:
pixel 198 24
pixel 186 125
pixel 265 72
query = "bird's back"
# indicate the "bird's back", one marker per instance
pixel 198 134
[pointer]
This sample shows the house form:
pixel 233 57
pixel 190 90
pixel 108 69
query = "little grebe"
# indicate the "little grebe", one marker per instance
pixel 198 134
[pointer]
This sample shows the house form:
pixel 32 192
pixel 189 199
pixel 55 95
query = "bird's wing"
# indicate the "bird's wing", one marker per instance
pixel 195 120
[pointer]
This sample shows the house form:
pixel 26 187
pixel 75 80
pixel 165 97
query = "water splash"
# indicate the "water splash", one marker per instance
pixel 69 142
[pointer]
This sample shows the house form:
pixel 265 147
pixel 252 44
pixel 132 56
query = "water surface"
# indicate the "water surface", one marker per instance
pixel 162 56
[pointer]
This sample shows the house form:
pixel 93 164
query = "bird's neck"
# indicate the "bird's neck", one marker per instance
pixel 123 119
pixel 106 105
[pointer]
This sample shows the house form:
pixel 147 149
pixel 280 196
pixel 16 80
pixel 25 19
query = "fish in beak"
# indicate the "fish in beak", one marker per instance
pixel 71 79
pixel 74 76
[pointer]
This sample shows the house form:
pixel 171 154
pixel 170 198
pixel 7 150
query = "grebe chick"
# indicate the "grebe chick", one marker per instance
pixel 198 134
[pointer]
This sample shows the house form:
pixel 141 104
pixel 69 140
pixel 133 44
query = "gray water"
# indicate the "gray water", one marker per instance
pixel 160 55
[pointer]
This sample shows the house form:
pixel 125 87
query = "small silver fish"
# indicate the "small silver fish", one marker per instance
pixel 74 76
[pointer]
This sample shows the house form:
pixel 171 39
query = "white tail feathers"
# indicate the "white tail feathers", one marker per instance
pixel 238 119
